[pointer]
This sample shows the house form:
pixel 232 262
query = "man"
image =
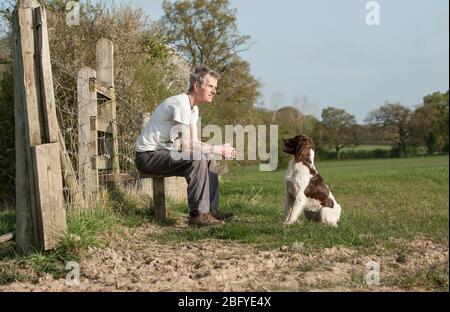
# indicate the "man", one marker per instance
pixel 173 126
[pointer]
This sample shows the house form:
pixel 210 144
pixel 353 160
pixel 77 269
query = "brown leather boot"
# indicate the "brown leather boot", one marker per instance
pixel 204 219
pixel 223 216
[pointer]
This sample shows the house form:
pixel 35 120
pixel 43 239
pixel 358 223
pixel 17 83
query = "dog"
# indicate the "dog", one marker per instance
pixel 306 190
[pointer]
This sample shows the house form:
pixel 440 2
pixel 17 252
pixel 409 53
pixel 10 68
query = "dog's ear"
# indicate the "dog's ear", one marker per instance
pixel 304 145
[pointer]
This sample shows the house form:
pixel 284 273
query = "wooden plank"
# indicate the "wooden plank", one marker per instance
pixel 100 125
pixel 27 236
pixel 87 138
pixel 101 162
pixel 49 193
pixel 6 237
pixel 159 199
pixel 46 92
pixel 105 62
pixel 103 88
pixel 105 77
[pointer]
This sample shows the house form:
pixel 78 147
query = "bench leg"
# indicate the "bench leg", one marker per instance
pixel 159 199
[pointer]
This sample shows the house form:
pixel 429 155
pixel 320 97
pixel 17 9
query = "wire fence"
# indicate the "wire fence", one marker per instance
pixel 128 120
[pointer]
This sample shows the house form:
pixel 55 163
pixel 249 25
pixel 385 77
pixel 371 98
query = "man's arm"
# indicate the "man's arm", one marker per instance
pixel 190 143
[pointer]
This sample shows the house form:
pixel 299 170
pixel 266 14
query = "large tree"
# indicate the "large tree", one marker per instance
pixel 338 129
pixel 430 123
pixel 205 31
pixel 395 121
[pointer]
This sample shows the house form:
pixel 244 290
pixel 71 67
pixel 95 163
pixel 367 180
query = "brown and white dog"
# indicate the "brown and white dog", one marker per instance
pixel 305 189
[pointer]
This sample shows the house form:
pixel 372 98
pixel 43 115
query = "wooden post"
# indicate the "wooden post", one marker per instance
pixel 27 236
pixel 159 198
pixel 87 137
pixel 145 184
pixel 105 76
pixel 38 216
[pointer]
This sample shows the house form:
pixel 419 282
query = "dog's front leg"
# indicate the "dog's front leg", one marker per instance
pixel 288 205
pixel 297 209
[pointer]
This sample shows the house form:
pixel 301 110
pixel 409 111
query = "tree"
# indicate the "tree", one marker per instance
pixel 430 123
pixel 395 121
pixel 338 129
pixel 205 32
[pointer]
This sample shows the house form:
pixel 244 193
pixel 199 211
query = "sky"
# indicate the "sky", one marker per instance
pixel 321 53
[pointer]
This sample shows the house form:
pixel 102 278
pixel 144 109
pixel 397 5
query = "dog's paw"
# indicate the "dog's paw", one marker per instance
pixel 289 222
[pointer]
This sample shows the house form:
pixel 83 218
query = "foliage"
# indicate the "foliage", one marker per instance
pixel 395 120
pixel 430 123
pixel 7 147
pixel 205 31
pixel 338 129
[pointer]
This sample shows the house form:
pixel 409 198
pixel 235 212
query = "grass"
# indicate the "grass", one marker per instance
pixel 381 199
pixel 7 221
pixel 431 278
pixel 366 148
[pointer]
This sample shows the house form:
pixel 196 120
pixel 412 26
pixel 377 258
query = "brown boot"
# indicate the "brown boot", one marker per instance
pixel 223 216
pixel 204 219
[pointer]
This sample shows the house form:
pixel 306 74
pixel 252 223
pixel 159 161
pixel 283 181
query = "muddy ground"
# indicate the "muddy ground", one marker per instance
pixel 134 261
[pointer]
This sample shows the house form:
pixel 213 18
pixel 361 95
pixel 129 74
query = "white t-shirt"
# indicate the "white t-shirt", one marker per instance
pixel 157 133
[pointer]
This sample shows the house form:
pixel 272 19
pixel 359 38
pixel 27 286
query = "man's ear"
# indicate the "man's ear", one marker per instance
pixel 196 86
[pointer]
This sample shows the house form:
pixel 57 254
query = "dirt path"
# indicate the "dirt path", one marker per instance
pixel 135 262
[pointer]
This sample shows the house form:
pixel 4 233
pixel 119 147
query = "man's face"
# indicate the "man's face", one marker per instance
pixel 208 90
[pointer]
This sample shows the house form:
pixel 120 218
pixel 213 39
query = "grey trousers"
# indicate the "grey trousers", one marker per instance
pixel 201 176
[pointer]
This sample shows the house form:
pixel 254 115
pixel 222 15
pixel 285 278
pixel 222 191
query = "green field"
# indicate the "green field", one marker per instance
pixel 366 148
pixel 392 210
pixel 381 199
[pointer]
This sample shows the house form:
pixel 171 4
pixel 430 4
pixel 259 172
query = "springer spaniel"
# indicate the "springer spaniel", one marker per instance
pixel 305 189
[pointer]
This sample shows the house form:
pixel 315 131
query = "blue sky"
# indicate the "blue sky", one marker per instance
pixel 322 53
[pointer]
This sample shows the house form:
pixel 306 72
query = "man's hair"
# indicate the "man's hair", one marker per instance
pixel 199 76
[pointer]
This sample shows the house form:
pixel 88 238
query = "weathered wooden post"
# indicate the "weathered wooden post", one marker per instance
pixel 40 214
pixel 107 111
pixel 87 136
pixel 97 119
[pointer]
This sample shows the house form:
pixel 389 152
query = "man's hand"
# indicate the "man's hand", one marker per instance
pixel 226 150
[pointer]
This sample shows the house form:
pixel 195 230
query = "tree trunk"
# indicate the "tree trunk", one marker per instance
pixel 338 156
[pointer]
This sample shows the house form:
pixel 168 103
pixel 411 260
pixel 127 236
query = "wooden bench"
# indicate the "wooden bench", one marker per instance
pixel 160 189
